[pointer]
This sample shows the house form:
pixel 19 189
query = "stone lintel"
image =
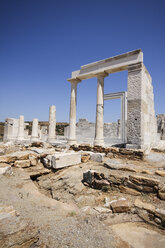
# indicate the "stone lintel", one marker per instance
pixel 110 65
pixel 117 57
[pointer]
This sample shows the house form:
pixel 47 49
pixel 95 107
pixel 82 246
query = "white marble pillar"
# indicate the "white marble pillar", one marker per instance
pixel 72 120
pixel 21 128
pixel 123 118
pixel 34 136
pixel 52 124
pixel 99 126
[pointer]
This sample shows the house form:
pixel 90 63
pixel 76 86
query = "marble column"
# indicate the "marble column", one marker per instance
pixel 99 126
pixel 34 136
pixel 72 120
pixel 21 128
pixel 123 118
pixel 52 124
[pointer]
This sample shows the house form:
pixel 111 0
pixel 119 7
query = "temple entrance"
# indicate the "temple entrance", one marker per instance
pixel 119 128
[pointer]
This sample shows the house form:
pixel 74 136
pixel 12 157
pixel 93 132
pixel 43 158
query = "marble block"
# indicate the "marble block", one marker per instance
pixel 65 159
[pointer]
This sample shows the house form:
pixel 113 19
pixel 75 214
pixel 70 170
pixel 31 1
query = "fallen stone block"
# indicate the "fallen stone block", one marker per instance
pixel 134 186
pixel 22 163
pixel 139 186
pixel 117 179
pixel 101 184
pixel 61 160
pixel 147 189
pixel 160 173
pixel 120 206
pixel 98 157
pixel 129 191
pixel 140 180
pixel 144 205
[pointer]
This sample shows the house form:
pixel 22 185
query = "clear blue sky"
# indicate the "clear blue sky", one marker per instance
pixel 43 41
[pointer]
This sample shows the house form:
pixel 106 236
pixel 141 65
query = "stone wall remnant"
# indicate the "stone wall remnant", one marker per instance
pixel 85 132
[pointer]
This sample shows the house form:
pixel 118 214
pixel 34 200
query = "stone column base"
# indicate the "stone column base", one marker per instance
pixel 98 142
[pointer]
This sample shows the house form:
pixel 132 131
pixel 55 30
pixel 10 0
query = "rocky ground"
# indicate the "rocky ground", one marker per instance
pixel 115 198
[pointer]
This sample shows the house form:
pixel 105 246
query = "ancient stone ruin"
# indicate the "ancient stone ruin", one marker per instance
pixel 138 120
pixel 17 129
pixel 138 126
pixel 98 185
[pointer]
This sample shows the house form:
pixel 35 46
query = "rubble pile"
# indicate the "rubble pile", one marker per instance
pixel 133 185
pixel 116 185
pixel 112 151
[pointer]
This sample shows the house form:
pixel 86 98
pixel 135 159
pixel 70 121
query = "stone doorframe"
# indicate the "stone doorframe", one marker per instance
pixel 141 119
pixel 123 115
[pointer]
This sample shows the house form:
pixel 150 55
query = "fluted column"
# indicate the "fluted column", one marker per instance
pixel 21 128
pixel 52 124
pixel 72 120
pixel 99 126
pixel 34 136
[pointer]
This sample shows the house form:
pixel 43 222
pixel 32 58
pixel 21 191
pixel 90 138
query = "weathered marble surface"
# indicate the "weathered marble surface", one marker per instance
pixel 35 133
pixel 52 124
